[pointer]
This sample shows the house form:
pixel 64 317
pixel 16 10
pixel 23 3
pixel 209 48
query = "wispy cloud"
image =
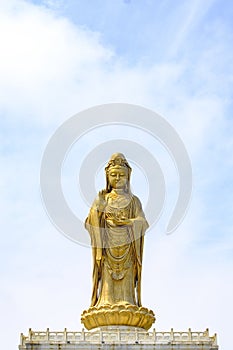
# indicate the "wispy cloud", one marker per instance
pixel 190 15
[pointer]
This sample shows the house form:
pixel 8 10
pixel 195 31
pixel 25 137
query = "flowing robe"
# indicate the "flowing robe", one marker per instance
pixel 117 249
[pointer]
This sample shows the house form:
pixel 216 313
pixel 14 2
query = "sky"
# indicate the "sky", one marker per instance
pixel 61 57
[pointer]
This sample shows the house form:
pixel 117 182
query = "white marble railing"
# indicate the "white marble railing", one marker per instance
pixel 119 335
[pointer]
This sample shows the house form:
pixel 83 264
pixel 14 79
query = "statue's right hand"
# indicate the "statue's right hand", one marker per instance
pixel 101 201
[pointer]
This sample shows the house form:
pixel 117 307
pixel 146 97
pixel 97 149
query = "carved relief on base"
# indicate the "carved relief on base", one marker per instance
pixel 118 314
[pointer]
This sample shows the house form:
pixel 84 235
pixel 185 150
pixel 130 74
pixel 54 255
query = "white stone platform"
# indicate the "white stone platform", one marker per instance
pixel 116 338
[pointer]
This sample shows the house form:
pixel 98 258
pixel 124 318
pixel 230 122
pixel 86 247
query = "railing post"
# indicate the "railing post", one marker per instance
pixel 215 338
pixel 136 335
pixel 83 334
pixel 172 335
pixel 119 334
pixel 47 334
pixel 154 334
pixel 65 335
pixel 189 334
pixel 30 334
pixel 101 336
pixel 21 339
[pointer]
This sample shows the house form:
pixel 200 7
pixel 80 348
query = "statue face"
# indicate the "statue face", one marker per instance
pixel 118 177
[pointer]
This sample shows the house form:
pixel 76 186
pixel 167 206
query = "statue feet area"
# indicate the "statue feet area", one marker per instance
pixel 116 315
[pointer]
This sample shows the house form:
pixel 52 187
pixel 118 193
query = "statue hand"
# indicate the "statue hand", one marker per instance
pixel 101 201
pixel 122 222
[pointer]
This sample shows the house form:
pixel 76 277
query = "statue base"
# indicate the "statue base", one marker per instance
pixel 118 314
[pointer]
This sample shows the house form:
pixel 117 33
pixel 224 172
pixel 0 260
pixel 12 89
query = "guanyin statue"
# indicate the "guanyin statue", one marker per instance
pixel 116 224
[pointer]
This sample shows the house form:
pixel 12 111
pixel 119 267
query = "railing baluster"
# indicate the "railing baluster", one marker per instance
pixel 118 336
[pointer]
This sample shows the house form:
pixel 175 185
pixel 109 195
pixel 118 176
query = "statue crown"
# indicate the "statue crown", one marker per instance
pixel 118 159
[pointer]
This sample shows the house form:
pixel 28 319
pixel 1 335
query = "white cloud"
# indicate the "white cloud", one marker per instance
pixel 42 57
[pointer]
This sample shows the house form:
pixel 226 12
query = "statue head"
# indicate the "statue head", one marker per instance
pixel 118 167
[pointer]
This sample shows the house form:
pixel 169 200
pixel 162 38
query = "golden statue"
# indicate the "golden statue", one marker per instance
pixel 116 224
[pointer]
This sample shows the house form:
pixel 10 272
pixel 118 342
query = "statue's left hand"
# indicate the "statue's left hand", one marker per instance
pixel 101 201
pixel 122 222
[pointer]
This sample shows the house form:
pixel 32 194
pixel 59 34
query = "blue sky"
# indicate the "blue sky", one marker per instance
pixel 60 57
pixel 147 30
